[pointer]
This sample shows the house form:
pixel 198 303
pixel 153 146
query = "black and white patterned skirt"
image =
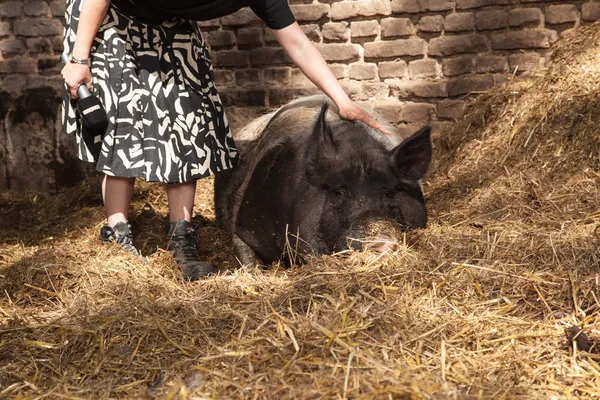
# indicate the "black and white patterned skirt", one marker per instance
pixel 166 122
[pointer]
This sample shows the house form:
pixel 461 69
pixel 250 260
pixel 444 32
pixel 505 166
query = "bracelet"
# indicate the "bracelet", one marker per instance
pixel 76 60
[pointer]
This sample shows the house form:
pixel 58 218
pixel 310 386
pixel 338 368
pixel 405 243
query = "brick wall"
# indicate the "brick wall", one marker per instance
pixel 34 156
pixel 415 61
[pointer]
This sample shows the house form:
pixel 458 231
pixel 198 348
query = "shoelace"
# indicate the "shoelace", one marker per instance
pixel 126 242
pixel 188 245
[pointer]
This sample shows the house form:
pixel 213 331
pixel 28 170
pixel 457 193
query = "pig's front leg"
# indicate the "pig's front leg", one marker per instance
pixel 245 254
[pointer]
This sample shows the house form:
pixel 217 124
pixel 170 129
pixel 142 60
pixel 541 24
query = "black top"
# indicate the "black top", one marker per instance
pixel 275 13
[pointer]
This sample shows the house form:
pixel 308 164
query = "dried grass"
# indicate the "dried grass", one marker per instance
pixel 474 306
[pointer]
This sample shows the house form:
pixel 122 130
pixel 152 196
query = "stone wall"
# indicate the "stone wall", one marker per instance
pixel 415 61
pixel 34 156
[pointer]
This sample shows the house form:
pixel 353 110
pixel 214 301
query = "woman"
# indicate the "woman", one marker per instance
pixel 147 61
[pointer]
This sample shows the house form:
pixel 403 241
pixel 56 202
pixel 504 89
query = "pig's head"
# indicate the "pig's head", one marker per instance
pixel 355 179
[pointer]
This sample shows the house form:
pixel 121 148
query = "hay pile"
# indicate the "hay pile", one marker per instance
pixel 474 306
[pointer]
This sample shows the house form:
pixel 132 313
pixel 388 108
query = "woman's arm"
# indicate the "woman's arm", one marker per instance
pixel 92 15
pixel 306 56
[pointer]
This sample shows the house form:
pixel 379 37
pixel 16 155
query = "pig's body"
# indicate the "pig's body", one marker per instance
pixel 308 180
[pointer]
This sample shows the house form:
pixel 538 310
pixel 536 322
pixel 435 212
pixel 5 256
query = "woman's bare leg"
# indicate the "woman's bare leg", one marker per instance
pixel 181 200
pixel 117 193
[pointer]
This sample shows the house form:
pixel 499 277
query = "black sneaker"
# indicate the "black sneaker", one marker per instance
pixel 120 233
pixel 182 236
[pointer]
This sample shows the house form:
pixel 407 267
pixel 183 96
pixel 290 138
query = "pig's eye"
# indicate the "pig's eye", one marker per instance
pixel 389 194
pixel 340 192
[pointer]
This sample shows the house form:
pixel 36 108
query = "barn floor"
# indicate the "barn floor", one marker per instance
pixel 484 303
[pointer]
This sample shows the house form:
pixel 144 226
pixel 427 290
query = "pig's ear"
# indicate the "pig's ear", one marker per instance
pixel 412 157
pixel 322 133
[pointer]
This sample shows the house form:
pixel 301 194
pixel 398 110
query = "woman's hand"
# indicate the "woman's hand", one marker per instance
pixel 353 112
pixel 311 62
pixel 75 75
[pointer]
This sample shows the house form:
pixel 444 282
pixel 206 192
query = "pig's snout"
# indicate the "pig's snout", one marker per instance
pixel 379 235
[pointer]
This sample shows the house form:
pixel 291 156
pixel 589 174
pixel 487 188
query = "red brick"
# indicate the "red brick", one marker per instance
pixel 419 88
pixel 486 64
pixel 491 19
pixel 417 112
pixel 280 96
pixel 310 12
pixel 362 71
pixel 217 39
pixel 524 61
pixel 58 8
pixel 463 4
pixel 5 29
pixel 407 130
pixel 450 109
pixel 561 14
pixel 394 27
pixel 338 70
pixel 364 90
pixel 12 47
pixel 364 28
pixel 395 48
pixel 268 56
pixel 590 11
pixel 299 79
pixel 392 69
pixel 269 37
pixel 312 31
pixel 243 97
pixel 336 31
pixel 38 27
pixel 250 37
pixel 36 8
pixel 450 45
pixel 39 45
pixel 224 78
pixel 422 68
pixel 339 51
pixel 522 16
pixel 49 65
pixel 230 58
pixel 469 83
pixel 14 84
pixel 212 23
pixel 524 39
pixel 247 77
pixel 277 76
pixel 416 6
pixel 457 65
pixel 21 65
pixel 459 22
pixel 11 9
pixel 57 44
pixel 389 109
pixel 431 23
pixel 242 17
pixel 362 8
pixel 501 78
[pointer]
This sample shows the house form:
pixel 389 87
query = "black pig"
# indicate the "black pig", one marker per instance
pixel 310 181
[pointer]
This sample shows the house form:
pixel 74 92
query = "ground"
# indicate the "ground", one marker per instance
pixel 480 304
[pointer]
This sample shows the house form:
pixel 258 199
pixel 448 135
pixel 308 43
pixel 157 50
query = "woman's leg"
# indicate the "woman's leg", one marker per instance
pixel 117 192
pixel 181 200
pixel 182 235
